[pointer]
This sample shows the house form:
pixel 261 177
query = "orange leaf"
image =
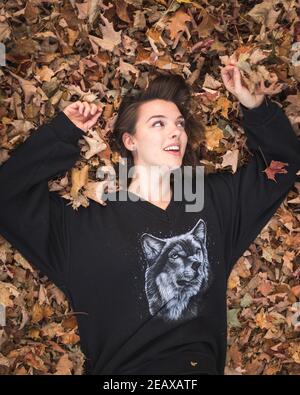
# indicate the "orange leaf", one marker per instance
pixel 177 23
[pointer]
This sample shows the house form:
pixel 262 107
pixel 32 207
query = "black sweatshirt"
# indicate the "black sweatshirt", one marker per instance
pixel 151 281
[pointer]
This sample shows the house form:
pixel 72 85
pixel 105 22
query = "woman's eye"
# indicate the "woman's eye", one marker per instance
pixel 157 122
pixel 182 123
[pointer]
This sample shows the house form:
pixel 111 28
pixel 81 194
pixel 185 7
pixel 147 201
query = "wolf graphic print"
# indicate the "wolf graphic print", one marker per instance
pixel 177 272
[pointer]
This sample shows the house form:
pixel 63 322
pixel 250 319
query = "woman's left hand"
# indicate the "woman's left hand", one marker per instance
pixel 233 83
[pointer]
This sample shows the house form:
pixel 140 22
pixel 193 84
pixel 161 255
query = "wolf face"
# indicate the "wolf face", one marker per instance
pixel 177 269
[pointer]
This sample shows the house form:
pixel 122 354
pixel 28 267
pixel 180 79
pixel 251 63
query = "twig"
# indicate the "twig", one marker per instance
pixel 262 154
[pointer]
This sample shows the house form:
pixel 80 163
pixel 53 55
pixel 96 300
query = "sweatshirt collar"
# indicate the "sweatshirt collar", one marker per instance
pixel 168 215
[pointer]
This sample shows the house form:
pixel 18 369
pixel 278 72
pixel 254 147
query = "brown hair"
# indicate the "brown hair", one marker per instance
pixel 171 88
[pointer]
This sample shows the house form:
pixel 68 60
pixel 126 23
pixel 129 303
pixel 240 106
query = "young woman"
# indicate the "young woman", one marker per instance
pixel 150 275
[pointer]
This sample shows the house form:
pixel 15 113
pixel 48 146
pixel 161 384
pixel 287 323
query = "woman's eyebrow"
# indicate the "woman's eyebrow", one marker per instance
pixel 163 116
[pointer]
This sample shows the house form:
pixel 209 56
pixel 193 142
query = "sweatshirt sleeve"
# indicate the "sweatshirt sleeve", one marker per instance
pixel 246 200
pixel 33 219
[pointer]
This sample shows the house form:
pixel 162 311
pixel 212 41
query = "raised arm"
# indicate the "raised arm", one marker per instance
pixel 248 199
pixel 32 219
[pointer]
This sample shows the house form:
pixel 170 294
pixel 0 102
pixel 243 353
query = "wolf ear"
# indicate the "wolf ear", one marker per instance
pixel 199 231
pixel 151 246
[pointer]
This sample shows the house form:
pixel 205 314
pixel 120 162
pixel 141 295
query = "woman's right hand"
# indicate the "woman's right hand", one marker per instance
pixel 83 114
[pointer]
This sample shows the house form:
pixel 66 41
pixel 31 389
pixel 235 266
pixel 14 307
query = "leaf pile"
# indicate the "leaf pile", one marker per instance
pixel 60 51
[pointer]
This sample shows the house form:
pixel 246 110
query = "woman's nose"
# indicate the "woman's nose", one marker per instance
pixel 175 133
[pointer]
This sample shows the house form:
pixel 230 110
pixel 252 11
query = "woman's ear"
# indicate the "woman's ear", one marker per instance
pixel 128 141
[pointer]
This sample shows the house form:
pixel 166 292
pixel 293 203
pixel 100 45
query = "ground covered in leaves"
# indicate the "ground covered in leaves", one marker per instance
pixel 60 51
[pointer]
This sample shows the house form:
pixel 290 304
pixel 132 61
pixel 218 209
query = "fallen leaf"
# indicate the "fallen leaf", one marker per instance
pixel 274 168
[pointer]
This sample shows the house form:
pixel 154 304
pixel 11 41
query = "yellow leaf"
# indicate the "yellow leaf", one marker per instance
pixel 79 179
pixel 223 104
pixel 37 313
pixel 34 333
pixel 213 135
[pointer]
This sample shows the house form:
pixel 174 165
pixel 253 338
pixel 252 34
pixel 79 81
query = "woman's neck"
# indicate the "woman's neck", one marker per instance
pixel 152 186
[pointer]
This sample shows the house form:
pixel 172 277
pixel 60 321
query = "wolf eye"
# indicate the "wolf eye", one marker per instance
pixel 174 256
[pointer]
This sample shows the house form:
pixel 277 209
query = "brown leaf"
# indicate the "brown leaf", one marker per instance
pixel 64 366
pixel 213 135
pixel 177 23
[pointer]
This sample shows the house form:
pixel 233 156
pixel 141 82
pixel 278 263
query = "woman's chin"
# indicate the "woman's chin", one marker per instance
pixel 174 166
pixel 168 167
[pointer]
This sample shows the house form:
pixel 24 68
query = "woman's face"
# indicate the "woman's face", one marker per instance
pixel 159 125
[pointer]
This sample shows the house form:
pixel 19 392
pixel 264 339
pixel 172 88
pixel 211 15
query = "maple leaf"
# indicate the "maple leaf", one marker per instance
pixel 274 168
pixel 177 23
pixel 110 40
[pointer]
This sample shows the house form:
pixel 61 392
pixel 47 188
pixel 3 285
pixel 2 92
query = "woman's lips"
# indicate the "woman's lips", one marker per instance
pixel 176 153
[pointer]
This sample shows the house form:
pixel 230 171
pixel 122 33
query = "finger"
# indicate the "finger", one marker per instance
pixel 226 72
pixel 80 107
pixel 86 109
pixel 233 77
pixel 74 108
pixel 233 59
pixel 227 79
pixel 93 108
pixel 83 108
pixel 229 67
pixel 93 120
pixel 76 104
pixel 96 116
pixel 237 77
pixel 99 108
pixel 71 107
pixel 261 86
